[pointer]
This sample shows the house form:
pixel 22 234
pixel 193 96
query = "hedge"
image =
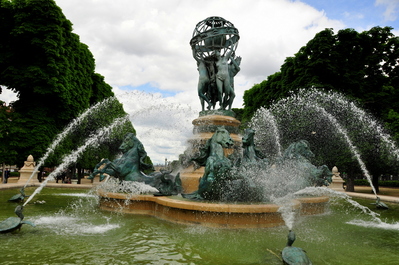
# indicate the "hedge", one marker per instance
pixel 14 174
pixel 381 183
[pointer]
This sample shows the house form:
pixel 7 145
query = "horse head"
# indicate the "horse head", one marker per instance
pixel 299 149
pixel 128 142
pixel 248 138
pixel 222 137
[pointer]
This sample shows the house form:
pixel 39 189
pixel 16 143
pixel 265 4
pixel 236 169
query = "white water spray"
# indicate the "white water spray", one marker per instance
pixel 96 138
pixel 128 187
pixel 264 116
pixel 286 209
pixel 352 147
pixel 70 127
pixel 315 99
pixel 375 222
pixel 371 122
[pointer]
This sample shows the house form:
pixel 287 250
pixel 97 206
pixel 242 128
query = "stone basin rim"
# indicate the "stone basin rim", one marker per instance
pixel 209 206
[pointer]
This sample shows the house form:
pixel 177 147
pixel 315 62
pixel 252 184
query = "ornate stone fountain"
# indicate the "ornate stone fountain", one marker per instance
pixel 233 209
pixel 219 180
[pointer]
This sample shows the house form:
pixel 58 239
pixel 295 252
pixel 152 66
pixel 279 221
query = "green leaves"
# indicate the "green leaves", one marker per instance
pixel 360 65
pixel 363 66
pixel 52 71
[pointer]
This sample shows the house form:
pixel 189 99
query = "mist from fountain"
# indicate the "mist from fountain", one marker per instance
pixel 68 130
pixel 312 104
pixel 129 188
pixel 276 187
pixel 352 147
pixel 375 220
pixel 321 110
pixel 113 185
pixel 259 122
pixel 94 140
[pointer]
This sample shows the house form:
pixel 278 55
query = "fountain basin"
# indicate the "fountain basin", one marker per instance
pixel 88 235
pixel 220 215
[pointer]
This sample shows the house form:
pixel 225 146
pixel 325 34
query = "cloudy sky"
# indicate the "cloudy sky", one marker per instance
pixel 142 49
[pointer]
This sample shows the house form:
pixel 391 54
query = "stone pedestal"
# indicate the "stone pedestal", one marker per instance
pixel 204 127
pixel 96 179
pixel 337 181
pixel 190 178
pixel 26 171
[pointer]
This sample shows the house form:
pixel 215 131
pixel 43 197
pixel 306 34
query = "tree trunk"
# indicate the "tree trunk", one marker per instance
pixel 350 181
pixel 72 172
pixel 3 167
pixel 375 182
pixel 80 174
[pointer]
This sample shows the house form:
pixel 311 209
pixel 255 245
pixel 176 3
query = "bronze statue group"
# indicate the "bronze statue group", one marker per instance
pixel 216 79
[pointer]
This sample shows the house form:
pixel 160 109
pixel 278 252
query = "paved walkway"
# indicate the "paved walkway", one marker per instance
pixel 365 192
pixel 85 184
pixel 385 194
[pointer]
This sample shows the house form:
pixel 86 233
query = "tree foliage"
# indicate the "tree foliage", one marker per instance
pixel 7 129
pixel 51 71
pixel 363 66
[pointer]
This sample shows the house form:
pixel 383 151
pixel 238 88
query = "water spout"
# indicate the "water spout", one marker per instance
pixel 69 129
pixel 352 147
pixel 95 139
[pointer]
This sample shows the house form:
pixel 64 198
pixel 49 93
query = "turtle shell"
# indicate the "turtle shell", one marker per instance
pixel 17 198
pixel 381 205
pixel 294 255
pixel 10 224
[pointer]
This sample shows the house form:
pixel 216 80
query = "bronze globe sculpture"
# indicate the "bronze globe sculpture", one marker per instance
pixel 212 34
pixel 213 45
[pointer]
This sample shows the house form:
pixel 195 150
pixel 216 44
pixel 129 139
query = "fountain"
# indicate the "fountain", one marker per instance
pixel 276 182
pixel 227 176
pixel 343 227
pixel 222 186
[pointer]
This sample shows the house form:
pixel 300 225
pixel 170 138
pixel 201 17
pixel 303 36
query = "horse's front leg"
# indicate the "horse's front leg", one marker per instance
pixel 210 169
pixel 114 171
pixel 99 168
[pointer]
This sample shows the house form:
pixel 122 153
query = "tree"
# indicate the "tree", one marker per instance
pixel 360 65
pixel 7 155
pixel 51 71
pixel 363 66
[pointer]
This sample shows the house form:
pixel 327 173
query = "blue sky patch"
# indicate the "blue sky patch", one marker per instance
pixel 354 13
pixel 150 89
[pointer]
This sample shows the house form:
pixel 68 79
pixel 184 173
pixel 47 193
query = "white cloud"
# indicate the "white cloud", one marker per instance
pixel 392 8
pixel 136 42
pixel 8 96
pixel 163 125
pixel 140 42
pixel 353 15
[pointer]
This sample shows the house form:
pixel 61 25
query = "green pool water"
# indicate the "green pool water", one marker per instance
pixel 70 229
